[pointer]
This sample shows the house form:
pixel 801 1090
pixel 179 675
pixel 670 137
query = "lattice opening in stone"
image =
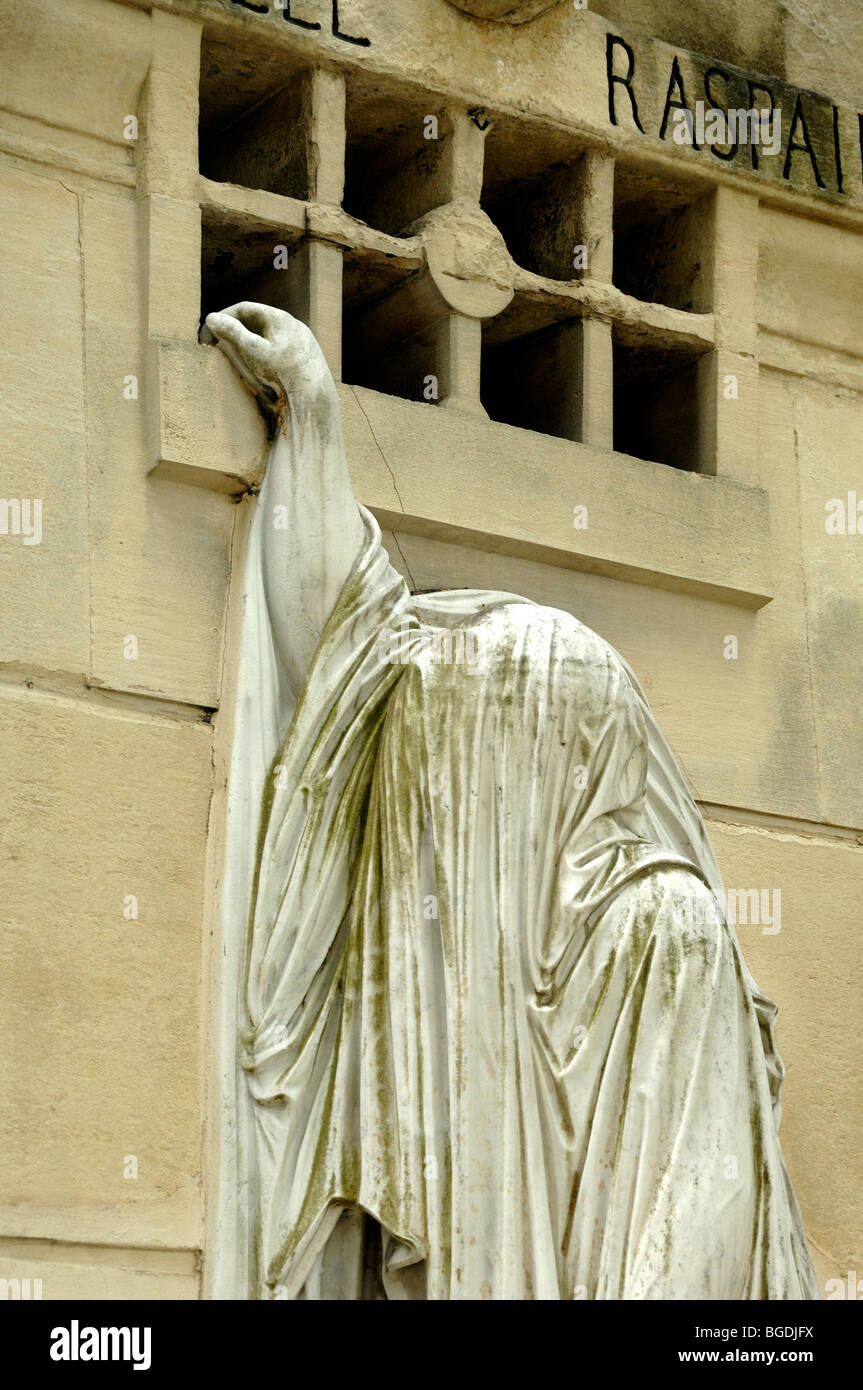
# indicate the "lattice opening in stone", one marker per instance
pixel 532 368
pixel 663 239
pixel 394 327
pixel 242 258
pixel 254 120
pixel 659 395
pixel 397 164
pixel 533 191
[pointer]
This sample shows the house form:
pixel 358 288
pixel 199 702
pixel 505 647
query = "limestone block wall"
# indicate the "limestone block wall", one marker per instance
pixel 577 360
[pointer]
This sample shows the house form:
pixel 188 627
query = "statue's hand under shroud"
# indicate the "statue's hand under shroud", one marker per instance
pixel 277 355
pixel 311 531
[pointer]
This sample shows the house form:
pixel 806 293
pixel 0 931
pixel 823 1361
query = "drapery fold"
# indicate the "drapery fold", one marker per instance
pixel 498 1038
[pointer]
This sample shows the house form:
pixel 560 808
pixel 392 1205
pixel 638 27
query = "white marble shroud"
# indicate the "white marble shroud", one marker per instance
pixel 497 1040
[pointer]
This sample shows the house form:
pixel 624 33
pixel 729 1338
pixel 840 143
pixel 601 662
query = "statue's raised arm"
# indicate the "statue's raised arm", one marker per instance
pixel 313 530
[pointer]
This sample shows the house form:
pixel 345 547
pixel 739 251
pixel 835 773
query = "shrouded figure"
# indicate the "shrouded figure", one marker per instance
pixel 496 1037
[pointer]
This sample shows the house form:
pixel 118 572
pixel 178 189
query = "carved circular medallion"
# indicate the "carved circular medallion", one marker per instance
pixel 505 11
pixel 467 258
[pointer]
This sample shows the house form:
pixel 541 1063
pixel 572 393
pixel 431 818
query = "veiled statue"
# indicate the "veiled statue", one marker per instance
pixel 493 1036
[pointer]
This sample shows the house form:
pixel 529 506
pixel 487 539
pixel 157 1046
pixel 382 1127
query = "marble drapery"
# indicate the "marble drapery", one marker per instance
pixel 498 1040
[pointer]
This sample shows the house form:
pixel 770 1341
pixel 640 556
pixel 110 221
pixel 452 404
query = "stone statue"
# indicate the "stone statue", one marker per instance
pixel 497 1040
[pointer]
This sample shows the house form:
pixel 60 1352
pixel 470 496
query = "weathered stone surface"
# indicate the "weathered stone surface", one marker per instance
pixel 106 815
pixel 92 62
pixel 142 584
pixel 812 968
pixel 524 496
pixel 810 282
pixel 90 1272
pixel 45 606
pixel 210 432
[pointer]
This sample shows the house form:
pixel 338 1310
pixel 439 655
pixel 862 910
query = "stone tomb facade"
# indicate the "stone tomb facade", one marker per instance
pixel 578 359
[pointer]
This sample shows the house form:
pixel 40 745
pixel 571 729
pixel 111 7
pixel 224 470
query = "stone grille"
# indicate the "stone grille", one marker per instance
pixel 456 256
